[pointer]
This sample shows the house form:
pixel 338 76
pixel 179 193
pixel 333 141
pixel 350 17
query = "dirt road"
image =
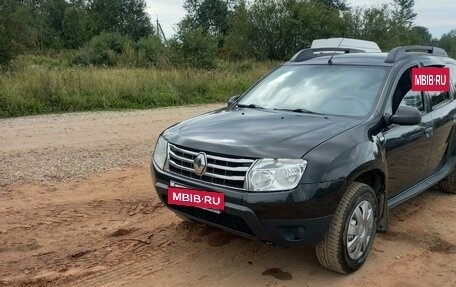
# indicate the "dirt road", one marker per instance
pixel 78 209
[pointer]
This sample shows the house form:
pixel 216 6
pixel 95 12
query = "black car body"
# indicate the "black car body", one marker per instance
pixel 397 161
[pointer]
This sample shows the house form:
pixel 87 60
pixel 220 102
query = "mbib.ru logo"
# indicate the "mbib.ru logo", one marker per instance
pixel 196 198
pixel 430 79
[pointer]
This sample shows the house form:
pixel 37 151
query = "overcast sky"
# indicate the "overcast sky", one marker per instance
pixel 438 15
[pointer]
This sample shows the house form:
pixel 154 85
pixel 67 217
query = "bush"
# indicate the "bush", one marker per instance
pixel 103 50
pixel 149 51
pixel 194 48
pixel 7 53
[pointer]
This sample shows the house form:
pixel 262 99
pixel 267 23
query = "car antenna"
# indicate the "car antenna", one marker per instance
pixel 338 46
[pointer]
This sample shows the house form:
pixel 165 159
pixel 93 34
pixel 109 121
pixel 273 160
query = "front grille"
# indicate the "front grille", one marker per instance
pixel 221 170
pixel 223 219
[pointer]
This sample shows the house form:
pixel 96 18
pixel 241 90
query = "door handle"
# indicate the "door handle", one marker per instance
pixel 429 132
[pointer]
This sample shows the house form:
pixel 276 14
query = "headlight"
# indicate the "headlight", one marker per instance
pixel 275 174
pixel 160 152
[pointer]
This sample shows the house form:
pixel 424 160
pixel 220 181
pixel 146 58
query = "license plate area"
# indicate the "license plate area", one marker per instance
pixel 185 196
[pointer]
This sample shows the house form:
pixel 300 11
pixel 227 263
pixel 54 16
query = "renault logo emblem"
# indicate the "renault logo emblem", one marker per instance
pixel 200 164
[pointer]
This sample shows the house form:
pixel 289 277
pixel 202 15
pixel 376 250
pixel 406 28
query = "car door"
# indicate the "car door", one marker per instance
pixel 443 112
pixel 407 147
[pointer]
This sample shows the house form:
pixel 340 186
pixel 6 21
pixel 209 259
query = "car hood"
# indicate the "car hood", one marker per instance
pixel 256 133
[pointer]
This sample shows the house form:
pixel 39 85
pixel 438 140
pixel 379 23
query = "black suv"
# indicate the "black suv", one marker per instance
pixel 316 152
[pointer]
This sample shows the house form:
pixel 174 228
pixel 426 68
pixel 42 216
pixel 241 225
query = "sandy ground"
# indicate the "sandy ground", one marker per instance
pixel 84 213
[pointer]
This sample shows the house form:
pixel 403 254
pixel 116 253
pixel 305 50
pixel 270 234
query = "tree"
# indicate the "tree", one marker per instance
pixel 54 13
pixel 127 17
pixel 403 14
pixel 336 4
pixel 421 35
pixel 194 47
pixel 50 17
pixel 377 26
pixel 353 21
pixel 448 42
pixel 265 20
pixel 18 30
pixel 230 29
pixel 281 28
pixel 304 21
pixel 237 41
pixel 212 16
pixel 7 51
pixel 401 22
pixel 74 27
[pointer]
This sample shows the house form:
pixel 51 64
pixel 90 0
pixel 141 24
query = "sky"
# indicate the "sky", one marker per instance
pixel 437 15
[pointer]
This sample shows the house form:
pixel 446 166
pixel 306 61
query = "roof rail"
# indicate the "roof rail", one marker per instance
pixel 307 54
pixel 400 52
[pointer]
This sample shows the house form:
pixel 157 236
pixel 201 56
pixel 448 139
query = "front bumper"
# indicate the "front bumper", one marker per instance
pixel 296 217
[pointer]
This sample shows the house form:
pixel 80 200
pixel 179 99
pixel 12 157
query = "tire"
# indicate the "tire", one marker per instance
pixel 332 251
pixel 448 184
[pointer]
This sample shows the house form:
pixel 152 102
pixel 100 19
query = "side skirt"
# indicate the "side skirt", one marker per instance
pixel 423 185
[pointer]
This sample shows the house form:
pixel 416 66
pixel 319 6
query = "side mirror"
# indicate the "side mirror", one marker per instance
pixel 405 116
pixel 232 100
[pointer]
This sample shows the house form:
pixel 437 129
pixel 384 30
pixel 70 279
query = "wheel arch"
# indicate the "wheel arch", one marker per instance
pixel 376 178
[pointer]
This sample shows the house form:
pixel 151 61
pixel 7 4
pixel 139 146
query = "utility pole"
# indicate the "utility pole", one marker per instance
pixel 160 31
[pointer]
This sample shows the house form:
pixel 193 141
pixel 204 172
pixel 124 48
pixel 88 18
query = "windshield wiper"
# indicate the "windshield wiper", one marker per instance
pixel 303 111
pixel 249 106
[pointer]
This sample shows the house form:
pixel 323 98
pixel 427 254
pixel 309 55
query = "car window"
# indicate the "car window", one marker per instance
pixel 453 77
pixel 403 95
pixel 413 99
pixel 438 97
pixel 324 89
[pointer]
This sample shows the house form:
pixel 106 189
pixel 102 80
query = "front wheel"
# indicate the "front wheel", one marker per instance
pixel 346 245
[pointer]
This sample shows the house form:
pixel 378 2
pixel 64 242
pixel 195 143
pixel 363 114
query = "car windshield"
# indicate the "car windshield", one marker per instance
pixel 322 89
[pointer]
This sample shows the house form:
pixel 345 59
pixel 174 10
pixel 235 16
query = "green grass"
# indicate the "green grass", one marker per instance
pixel 39 89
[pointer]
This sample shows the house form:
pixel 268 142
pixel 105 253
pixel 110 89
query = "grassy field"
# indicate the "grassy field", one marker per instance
pixel 38 89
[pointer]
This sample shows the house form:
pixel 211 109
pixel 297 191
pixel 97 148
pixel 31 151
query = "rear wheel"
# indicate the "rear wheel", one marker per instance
pixel 346 245
pixel 448 184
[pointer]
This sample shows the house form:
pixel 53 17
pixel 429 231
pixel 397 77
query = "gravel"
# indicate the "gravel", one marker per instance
pixel 54 148
pixel 66 165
